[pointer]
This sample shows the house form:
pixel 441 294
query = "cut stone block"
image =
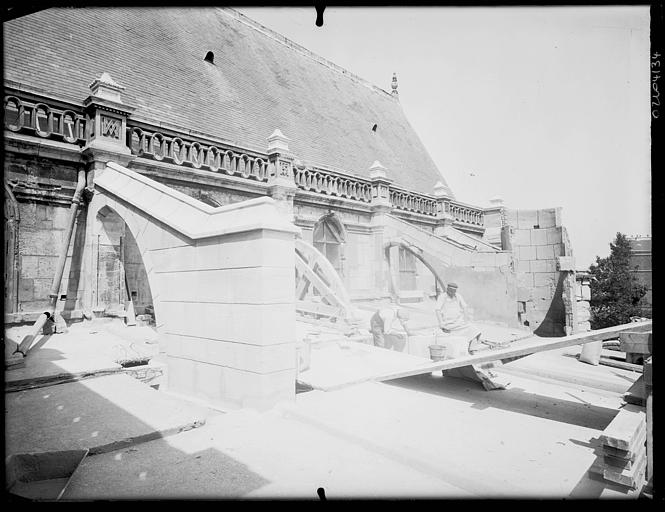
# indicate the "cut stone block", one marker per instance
pixel 625 428
pixel 636 342
pixel 523 293
pixel 566 263
pixel 527 219
pixel 527 253
pixel 522 237
pixel 523 266
pixel 539 237
pixel 543 279
pixel 648 372
pixel 583 315
pixel 543 266
pixel 547 218
pixel 542 293
pixel 633 477
pixel 525 280
pixel 553 236
pixel 545 252
pixel 253 358
pixel 228 387
pixel 265 324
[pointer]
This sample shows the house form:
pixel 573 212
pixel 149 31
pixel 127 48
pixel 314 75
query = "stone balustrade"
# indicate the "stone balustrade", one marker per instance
pixel 412 202
pixel 44 120
pixel 323 181
pixel 158 146
pixel 465 213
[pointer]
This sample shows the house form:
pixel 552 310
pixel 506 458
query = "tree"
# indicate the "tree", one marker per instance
pixel 615 291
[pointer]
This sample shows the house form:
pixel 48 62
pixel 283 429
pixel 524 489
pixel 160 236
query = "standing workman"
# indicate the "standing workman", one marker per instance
pixel 389 326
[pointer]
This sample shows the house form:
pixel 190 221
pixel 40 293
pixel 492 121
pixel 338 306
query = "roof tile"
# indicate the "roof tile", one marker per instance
pixel 256 84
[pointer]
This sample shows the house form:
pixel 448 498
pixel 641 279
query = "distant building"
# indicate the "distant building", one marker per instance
pixel 640 257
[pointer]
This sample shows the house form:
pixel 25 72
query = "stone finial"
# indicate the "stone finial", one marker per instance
pixel 377 170
pixel 105 87
pixel 394 85
pixel 497 201
pixel 440 190
pixel 278 142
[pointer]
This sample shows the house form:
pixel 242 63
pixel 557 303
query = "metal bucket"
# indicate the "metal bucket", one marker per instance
pixel 437 352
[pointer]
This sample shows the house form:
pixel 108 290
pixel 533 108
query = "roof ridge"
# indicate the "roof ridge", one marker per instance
pixel 276 36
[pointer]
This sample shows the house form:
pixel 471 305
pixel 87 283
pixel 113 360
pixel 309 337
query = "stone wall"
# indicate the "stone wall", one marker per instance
pixel 222 286
pixel 537 239
pixel 485 279
pixel 43 190
pixel 582 302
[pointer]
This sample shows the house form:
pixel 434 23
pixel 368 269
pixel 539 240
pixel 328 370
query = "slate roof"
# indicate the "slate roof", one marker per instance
pixel 259 81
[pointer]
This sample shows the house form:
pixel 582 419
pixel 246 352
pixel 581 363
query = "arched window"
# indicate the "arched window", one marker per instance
pixel 407 270
pixel 329 237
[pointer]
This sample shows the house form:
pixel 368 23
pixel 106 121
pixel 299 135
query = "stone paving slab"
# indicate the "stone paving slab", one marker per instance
pixel 245 455
pixel 99 414
pixel 86 349
pixel 423 437
pixel 334 364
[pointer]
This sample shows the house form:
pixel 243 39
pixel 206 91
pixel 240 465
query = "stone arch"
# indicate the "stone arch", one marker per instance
pixel 418 254
pixel 121 274
pixel 102 206
pixel 12 219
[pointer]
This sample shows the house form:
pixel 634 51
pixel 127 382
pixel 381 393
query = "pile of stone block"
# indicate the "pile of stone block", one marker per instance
pixel 637 346
pixel 623 458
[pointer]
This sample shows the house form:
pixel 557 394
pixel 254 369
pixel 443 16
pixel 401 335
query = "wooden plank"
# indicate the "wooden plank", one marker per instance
pixel 318 309
pixel 636 342
pixel 526 347
pixel 303 286
pixel 627 425
pixel 318 283
pixel 609 361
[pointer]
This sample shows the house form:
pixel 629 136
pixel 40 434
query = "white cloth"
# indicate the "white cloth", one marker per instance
pixel 453 311
pixel 391 324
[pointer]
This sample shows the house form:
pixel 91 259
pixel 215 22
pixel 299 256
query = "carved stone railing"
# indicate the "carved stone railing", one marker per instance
pixel 466 213
pixel 323 181
pixel 412 202
pixel 215 158
pixel 44 120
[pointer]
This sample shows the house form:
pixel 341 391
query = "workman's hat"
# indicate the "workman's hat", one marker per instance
pixel 453 285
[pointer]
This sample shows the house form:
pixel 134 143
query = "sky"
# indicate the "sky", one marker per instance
pixel 542 106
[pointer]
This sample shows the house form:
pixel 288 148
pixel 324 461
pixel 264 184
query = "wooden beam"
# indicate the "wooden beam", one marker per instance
pixel 318 309
pixel 314 279
pixel 303 286
pixel 526 347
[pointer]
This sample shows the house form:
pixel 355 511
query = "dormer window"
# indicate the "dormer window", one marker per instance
pixel 210 57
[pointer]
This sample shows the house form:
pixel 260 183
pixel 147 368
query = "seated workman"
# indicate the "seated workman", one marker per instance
pixel 453 315
pixel 389 327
